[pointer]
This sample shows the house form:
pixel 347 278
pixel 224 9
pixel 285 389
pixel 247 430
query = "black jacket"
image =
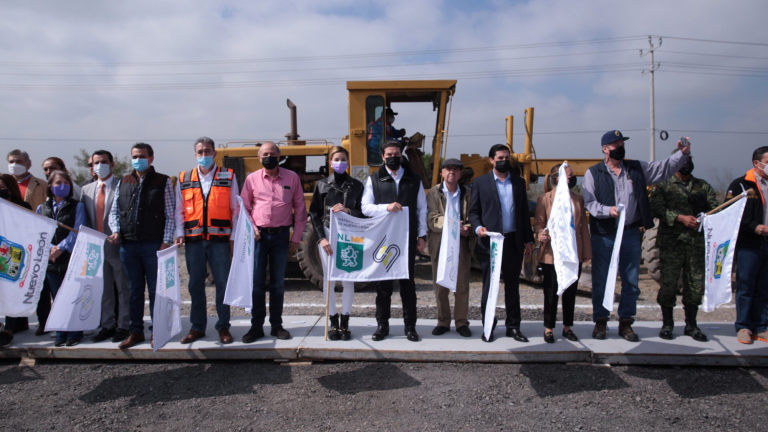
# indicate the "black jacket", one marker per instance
pixel 150 218
pixel 66 215
pixel 328 192
pixel 485 211
pixel 753 211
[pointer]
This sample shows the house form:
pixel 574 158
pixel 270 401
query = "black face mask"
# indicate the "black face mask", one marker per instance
pixel 393 162
pixel 617 154
pixel 572 182
pixel 502 166
pixel 269 162
pixel 687 168
pixel 5 194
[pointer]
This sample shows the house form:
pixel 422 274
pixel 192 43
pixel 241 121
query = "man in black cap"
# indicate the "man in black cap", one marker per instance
pixel 606 186
pixel 440 199
pixel 377 129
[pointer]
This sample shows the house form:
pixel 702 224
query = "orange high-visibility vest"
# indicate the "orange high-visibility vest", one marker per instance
pixel 207 218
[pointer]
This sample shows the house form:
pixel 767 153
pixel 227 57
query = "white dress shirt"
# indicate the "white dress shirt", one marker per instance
pixel 370 209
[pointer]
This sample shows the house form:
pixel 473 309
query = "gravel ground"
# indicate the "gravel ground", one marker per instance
pixel 386 396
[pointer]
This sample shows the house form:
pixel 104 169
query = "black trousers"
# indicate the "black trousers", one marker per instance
pixel 511 264
pixel 407 295
pixel 550 298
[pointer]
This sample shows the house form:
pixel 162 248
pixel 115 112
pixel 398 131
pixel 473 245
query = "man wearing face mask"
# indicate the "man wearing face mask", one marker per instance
pixel 391 189
pixel 606 186
pixel 376 132
pixel 274 199
pixel 206 212
pixel 97 198
pixel 499 204
pixel 32 188
pixel 677 203
pixel 752 252
pixel 142 222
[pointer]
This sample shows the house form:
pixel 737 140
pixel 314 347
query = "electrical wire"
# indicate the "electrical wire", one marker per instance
pixel 714 41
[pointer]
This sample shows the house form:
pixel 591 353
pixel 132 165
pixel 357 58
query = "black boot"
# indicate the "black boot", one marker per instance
pixel 333 332
pixel 691 329
pixel 382 331
pixel 668 323
pixel 345 333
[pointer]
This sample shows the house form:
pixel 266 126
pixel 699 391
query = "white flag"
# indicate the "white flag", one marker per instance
pixel 240 282
pixel 497 251
pixel 25 244
pixel 450 245
pixel 369 249
pixel 77 306
pixel 610 281
pixel 166 319
pixel 720 233
pixel 563 234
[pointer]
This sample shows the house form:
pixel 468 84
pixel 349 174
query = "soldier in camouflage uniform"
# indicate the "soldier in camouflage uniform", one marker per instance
pixel 677 202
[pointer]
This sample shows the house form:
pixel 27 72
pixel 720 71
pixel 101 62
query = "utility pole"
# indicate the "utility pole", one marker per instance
pixel 653 68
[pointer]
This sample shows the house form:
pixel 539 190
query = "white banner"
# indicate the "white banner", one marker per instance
pixel 369 249
pixel 610 281
pixel 563 234
pixel 450 245
pixel 720 232
pixel 166 321
pixel 497 251
pixel 77 306
pixel 25 243
pixel 240 282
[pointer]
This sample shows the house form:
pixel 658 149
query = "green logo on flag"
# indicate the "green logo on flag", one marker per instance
pixel 350 253
pixel 170 273
pixel 92 260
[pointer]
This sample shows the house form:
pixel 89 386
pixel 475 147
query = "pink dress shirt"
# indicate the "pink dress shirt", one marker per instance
pixel 272 201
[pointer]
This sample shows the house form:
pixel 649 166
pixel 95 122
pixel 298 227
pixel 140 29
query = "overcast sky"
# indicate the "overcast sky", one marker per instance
pixel 48 48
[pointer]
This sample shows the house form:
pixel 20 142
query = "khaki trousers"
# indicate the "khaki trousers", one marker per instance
pixel 461 306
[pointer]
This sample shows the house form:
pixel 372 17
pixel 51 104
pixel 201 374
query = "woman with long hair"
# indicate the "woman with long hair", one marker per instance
pixel 339 192
pixel 65 209
pixel 546 260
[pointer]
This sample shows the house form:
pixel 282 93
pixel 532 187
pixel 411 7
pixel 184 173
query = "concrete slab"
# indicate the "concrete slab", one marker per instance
pixel 448 347
pixel 26 344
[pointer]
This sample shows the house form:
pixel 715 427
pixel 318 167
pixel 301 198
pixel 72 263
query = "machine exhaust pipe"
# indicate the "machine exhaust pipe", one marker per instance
pixel 294 133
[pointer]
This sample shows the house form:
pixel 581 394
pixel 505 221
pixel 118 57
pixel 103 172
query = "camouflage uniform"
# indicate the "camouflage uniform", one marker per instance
pixel 681 248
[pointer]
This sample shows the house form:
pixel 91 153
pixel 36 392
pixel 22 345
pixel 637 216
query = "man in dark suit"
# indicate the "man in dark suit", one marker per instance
pixel 97 198
pixel 499 204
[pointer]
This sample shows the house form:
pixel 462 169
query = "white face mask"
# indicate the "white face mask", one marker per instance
pixel 17 169
pixel 102 170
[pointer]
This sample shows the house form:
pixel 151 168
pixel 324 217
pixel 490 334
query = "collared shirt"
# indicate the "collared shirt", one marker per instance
pixel 170 206
pixel 80 219
pixel 504 188
pixel 623 190
pixel 24 184
pixel 274 202
pixel 452 199
pixel 371 209
pixel 109 184
pixel 205 183
pixel 762 183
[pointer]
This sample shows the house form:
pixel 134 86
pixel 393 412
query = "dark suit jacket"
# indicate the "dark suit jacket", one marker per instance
pixel 485 211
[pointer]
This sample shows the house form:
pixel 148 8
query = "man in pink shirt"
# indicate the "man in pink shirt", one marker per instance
pixel 274 199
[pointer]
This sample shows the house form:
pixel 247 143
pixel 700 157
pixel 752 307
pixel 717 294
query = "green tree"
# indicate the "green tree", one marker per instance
pixel 81 173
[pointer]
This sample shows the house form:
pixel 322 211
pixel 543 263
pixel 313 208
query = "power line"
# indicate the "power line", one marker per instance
pixel 712 55
pixel 712 73
pixel 715 41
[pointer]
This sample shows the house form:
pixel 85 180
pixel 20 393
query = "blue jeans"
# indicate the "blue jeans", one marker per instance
pixel 752 289
pixel 55 280
pixel 217 255
pixel 271 249
pixel 140 261
pixel 629 270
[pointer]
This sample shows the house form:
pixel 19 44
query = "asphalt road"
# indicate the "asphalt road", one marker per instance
pixel 352 396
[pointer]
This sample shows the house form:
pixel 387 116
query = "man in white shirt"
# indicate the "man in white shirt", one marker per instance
pixel 97 198
pixel 389 190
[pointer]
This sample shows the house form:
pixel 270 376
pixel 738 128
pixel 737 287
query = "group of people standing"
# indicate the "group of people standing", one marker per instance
pixel 144 212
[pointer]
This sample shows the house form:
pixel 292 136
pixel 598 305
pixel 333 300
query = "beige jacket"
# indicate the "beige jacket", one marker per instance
pixel 36 192
pixel 583 244
pixel 436 213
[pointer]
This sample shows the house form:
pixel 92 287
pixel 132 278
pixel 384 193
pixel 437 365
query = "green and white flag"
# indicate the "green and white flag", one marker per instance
pixel 369 249
pixel 450 245
pixel 166 318
pixel 720 233
pixel 497 251
pixel 240 282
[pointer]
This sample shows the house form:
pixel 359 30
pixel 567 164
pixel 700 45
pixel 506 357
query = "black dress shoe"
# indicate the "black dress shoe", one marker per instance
pixel 253 335
pixel 410 333
pixel 59 342
pixel 41 330
pixel 570 335
pixel 382 331
pixel 549 337
pixel 280 333
pixel 487 340
pixel 72 342
pixel 515 334
pixel 440 330
pixel 103 335
pixel 464 331
pixel 5 338
pixel 120 335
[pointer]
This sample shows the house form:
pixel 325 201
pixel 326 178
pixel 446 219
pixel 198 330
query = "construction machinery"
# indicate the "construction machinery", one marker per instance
pixel 368 101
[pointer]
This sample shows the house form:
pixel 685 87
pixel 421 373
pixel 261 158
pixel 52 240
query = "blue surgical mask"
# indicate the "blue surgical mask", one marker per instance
pixel 205 161
pixel 140 165
pixel 61 191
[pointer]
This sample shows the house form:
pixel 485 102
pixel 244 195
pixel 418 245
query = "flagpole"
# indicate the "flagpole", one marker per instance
pixel 750 193
pixel 61 225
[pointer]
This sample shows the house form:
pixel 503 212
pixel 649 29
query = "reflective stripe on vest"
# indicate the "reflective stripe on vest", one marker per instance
pixel 206 218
